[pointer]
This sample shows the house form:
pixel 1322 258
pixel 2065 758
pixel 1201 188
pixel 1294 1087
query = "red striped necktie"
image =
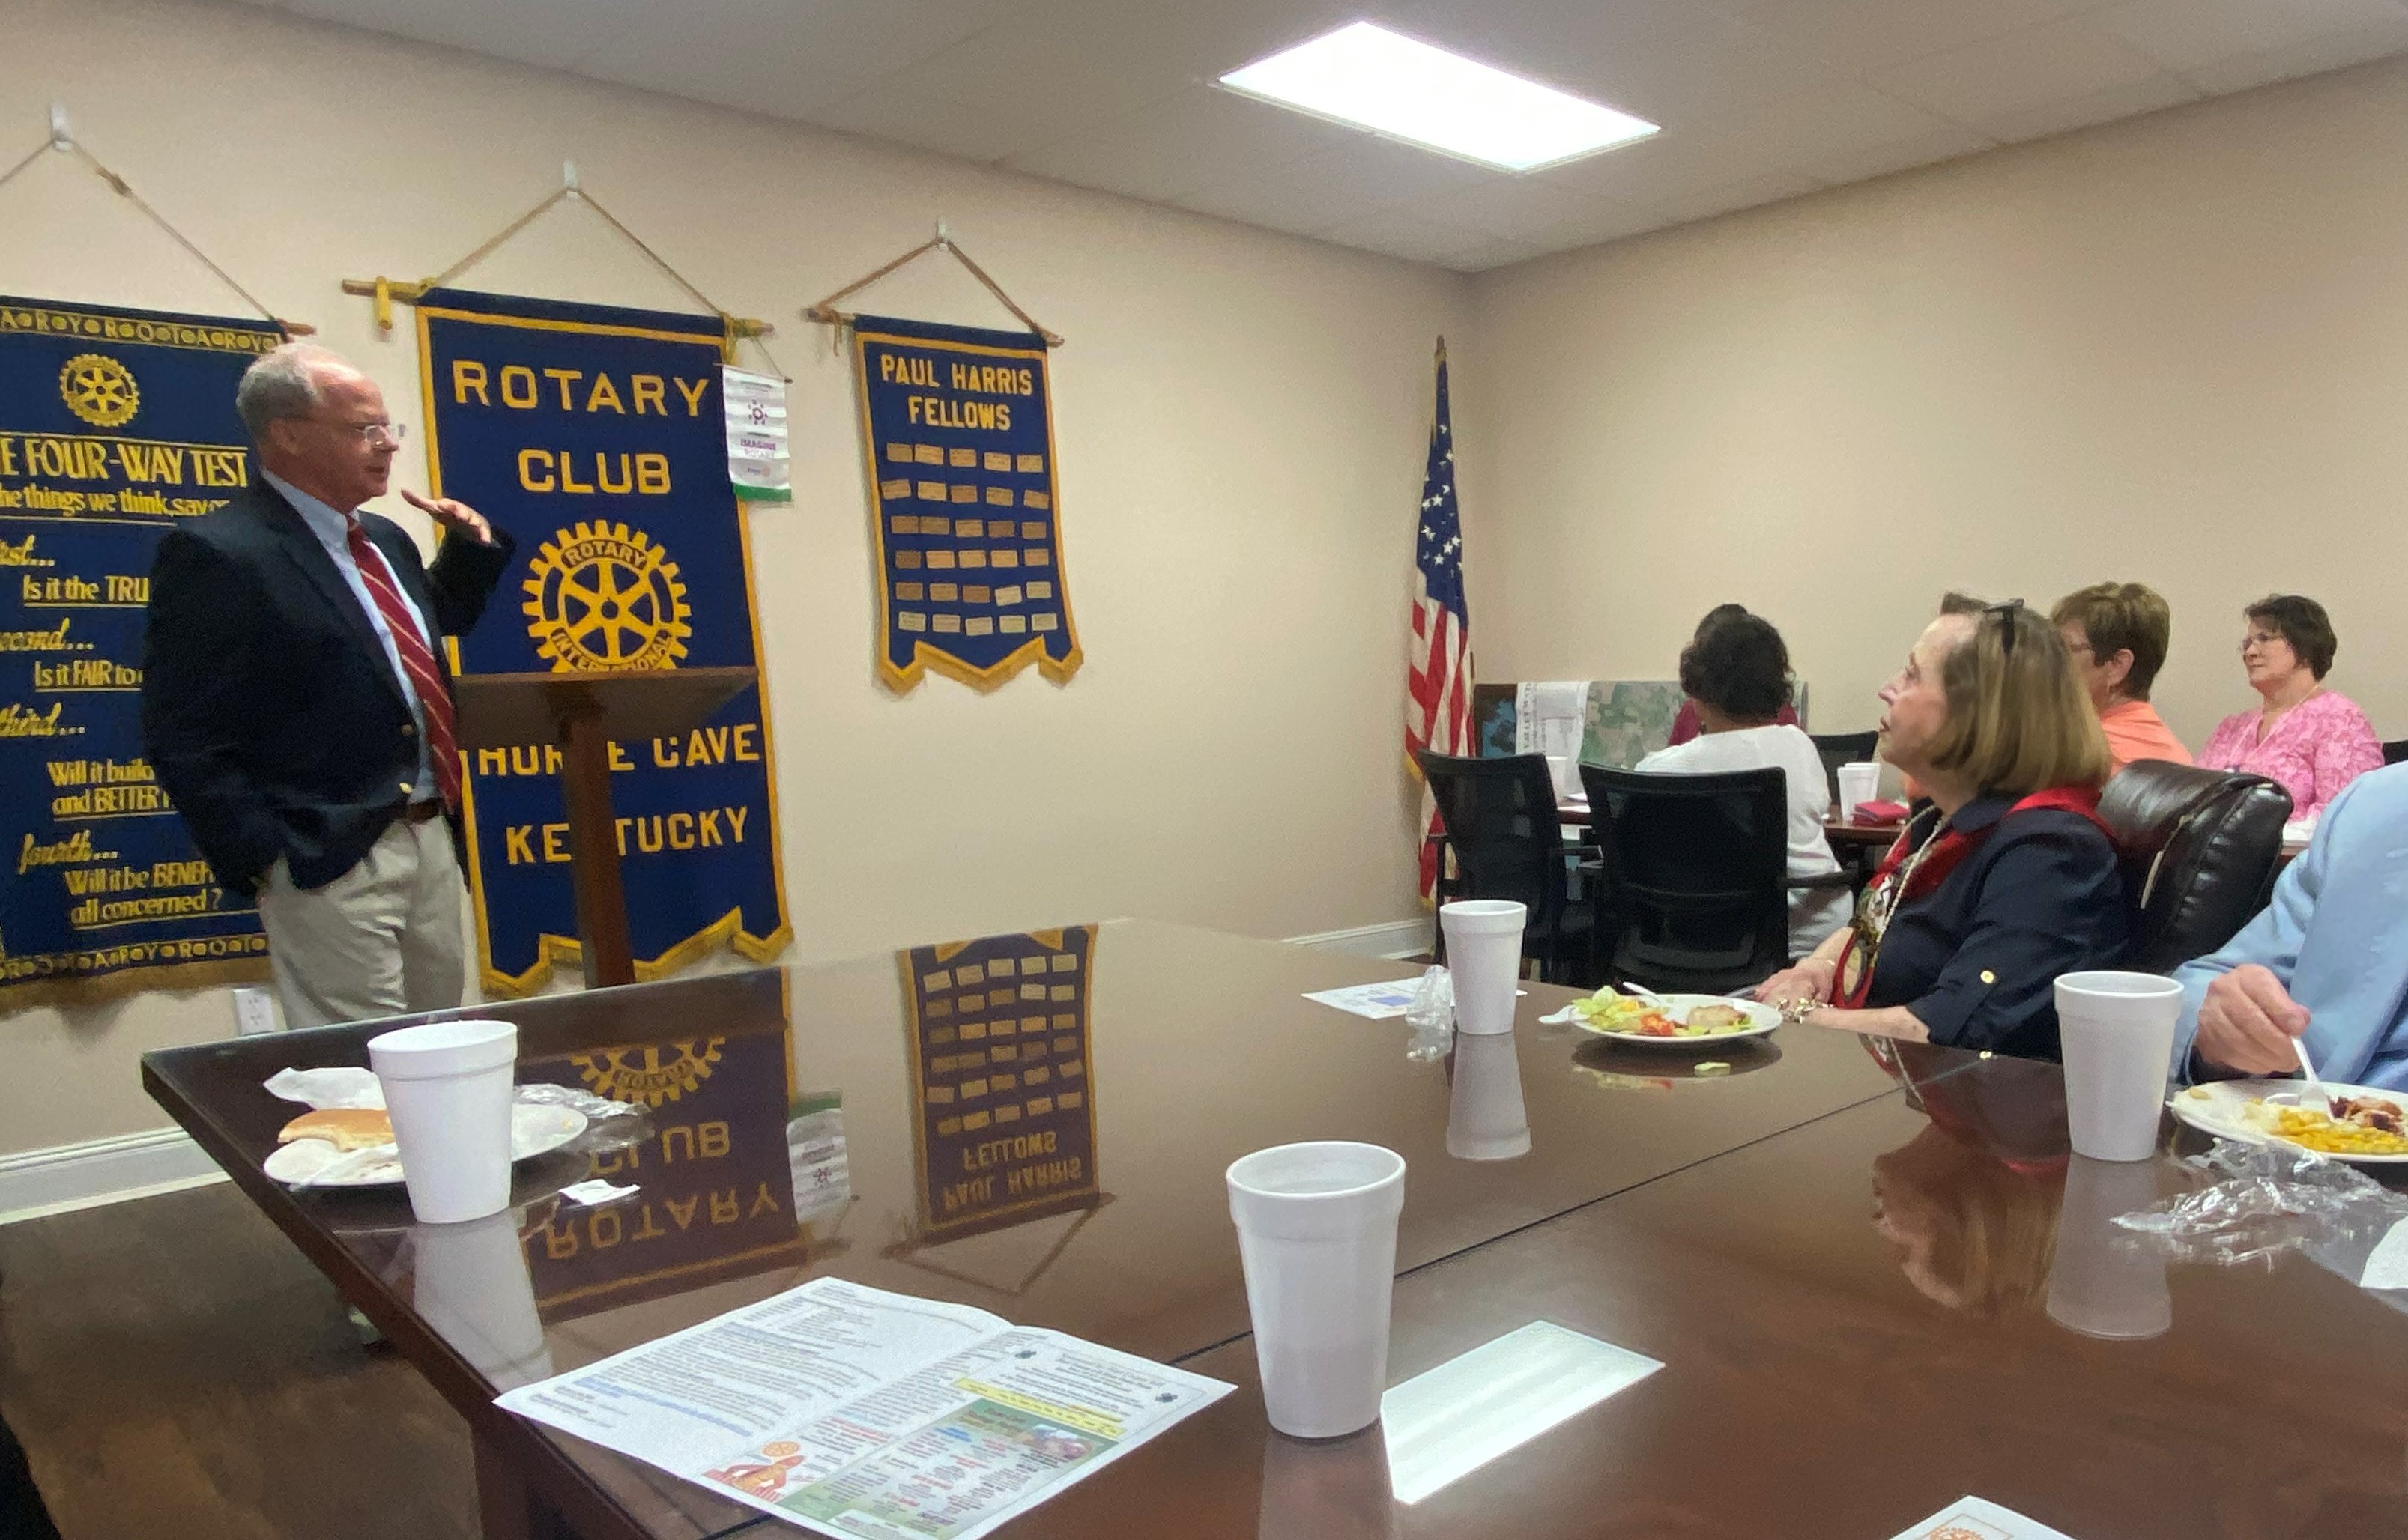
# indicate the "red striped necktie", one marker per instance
pixel 434 697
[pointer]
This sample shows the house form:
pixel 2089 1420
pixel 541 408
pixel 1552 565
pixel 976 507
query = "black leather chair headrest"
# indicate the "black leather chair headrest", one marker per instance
pixel 2199 849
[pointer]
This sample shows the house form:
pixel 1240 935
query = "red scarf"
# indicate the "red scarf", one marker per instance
pixel 1938 862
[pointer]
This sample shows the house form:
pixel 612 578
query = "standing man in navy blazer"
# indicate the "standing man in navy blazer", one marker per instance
pixel 296 702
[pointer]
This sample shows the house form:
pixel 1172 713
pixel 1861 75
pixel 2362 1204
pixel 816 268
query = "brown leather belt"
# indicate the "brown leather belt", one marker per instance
pixel 419 812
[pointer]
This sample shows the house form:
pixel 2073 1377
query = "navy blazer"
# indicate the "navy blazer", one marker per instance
pixel 271 710
pixel 1976 958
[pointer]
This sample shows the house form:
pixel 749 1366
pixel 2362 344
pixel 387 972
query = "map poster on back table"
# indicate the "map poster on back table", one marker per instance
pixel 957 424
pixel 114 426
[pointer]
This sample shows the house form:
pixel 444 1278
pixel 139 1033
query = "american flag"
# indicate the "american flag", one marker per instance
pixel 1438 683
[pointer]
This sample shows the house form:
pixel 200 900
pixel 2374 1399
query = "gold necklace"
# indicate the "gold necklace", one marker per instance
pixel 1883 900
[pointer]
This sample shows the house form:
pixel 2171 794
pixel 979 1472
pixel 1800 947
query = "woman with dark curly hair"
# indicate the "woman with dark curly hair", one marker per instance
pixel 1684 722
pixel 1736 673
pixel 2313 740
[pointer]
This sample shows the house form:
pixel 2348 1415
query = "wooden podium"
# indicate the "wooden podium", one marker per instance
pixel 582 712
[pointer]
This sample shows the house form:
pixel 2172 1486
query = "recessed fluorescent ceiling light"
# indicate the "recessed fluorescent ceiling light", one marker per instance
pixel 1373 78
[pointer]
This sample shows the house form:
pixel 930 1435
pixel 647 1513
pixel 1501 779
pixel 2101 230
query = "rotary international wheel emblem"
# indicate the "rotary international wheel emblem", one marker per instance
pixel 650 1074
pixel 99 389
pixel 601 596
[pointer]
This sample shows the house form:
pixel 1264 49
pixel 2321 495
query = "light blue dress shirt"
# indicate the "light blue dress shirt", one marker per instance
pixel 333 529
pixel 2336 935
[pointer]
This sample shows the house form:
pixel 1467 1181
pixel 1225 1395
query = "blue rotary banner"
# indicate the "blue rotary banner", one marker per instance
pixel 958 427
pixel 114 424
pixel 597 438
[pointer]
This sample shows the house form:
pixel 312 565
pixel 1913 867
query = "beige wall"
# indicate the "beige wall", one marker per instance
pixel 1241 418
pixel 2173 349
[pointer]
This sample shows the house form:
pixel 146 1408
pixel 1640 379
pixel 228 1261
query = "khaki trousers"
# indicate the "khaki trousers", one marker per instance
pixel 382 939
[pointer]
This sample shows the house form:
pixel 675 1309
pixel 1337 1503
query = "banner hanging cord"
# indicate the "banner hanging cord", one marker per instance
pixel 737 329
pixel 825 313
pixel 125 189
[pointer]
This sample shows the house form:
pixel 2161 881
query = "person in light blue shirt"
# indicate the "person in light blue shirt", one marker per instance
pixel 2326 963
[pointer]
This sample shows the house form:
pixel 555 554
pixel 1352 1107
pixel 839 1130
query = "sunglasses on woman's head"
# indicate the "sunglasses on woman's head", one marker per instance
pixel 2006 613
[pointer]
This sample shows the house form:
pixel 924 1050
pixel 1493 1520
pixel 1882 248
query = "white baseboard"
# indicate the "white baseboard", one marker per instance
pixel 36 1182
pixel 1397 938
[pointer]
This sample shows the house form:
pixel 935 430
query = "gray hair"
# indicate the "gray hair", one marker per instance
pixel 280 385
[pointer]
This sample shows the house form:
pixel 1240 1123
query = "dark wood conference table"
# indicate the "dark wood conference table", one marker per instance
pixel 1828 1373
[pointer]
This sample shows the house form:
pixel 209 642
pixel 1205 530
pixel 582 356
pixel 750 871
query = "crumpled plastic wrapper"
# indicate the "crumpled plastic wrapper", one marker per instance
pixel 336 1086
pixel 2271 1198
pixel 578 1099
pixel 609 1125
pixel 1431 1016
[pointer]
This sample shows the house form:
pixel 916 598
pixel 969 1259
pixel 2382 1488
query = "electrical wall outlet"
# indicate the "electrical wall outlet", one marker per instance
pixel 254 1011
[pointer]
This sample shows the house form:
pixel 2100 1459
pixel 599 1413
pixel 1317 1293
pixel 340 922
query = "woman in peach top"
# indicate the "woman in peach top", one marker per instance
pixel 2308 738
pixel 2118 633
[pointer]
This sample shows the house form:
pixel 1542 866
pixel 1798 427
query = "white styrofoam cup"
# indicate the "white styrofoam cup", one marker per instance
pixel 1564 771
pixel 2099 1283
pixel 1483 954
pixel 1317 1233
pixel 1859 781
pixel 1485 1120
pixel 2118 1033
pixel 448 1088
pixel 471 1282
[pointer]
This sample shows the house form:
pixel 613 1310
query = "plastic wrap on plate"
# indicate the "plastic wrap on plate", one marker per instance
pixel 1431 1016
pixel 2269 1199
pixel 336 1086
pixel 610 1126
pixel 578 1099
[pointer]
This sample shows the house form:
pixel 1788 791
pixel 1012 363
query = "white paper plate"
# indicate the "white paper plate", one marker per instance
pixel 1762 1020
pixel 2215 1109
pixel 535 1130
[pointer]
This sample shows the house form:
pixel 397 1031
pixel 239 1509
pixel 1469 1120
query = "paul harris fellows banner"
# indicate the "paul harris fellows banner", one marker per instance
pixel 958 427
pixel 114 424
pixel 597 438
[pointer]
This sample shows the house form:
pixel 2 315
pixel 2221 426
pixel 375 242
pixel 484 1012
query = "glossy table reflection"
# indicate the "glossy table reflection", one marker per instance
pixel 1202 1048
pixel 1861 1320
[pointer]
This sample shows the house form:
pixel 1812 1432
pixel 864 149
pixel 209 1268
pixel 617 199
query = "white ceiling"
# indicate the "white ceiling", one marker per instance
pixel 1759 99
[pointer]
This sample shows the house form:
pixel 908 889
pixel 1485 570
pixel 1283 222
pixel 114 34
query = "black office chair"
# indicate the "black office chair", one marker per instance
pixel 2199 850
pixel 1501 826
pixel 1839 748
pixel 1695 898
pixel 2395 752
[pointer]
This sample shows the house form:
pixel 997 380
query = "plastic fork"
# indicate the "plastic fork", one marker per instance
pixel 2315 1084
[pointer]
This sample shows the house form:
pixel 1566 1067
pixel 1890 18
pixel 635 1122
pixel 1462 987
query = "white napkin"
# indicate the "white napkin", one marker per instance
pixel 2386 1266
pixel 328 1088
pixel 595 1191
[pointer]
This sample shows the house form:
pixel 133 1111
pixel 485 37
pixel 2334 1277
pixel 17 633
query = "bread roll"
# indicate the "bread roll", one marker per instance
pixel 345 1128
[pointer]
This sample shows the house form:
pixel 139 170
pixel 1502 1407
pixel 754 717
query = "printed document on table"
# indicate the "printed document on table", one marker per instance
pixel 868 1414
pixel 1377 1001
pixel 1974 1518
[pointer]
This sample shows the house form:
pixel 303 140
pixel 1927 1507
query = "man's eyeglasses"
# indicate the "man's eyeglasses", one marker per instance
pixel 374 432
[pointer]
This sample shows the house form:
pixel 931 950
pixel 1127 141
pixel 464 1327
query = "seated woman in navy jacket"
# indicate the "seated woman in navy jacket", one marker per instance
pixel 2005 878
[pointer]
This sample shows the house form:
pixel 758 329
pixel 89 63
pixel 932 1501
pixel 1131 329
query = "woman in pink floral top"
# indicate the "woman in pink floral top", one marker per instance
pixel 2306 737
